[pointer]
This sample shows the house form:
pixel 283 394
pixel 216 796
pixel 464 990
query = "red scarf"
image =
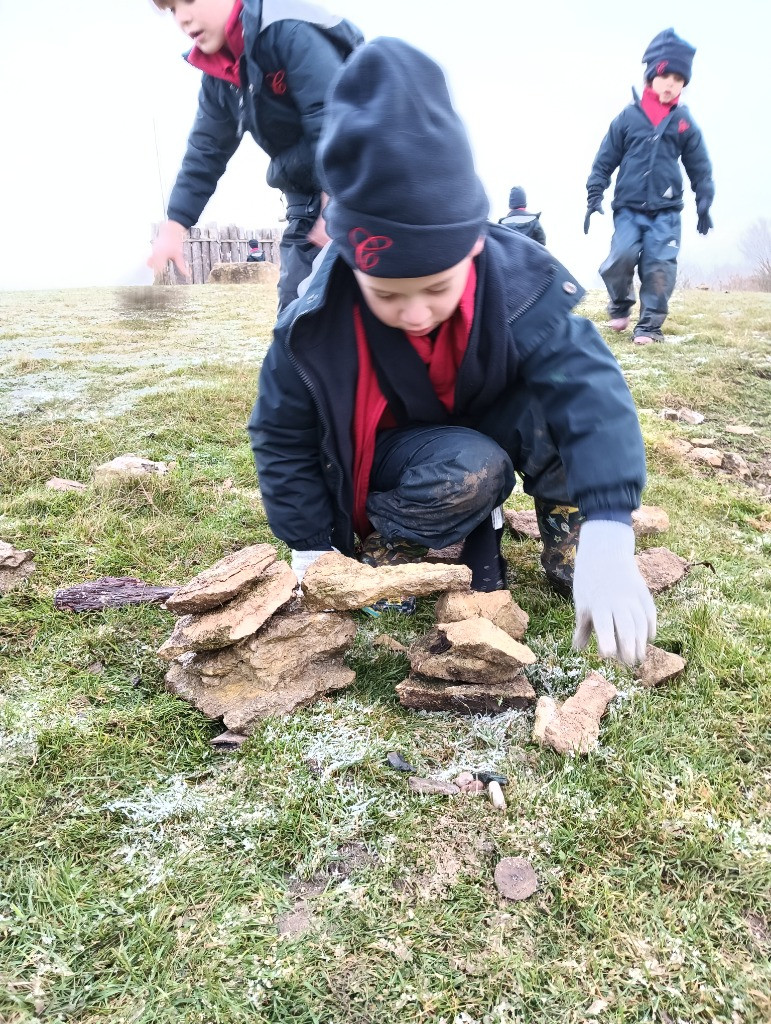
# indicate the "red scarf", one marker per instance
pixel 371 414
pixel 224 63
pixel 653 107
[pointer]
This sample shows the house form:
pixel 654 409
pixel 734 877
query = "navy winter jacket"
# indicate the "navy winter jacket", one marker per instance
pixel 301 424
pixel 648 155
pixel 526 223
pixel 292 51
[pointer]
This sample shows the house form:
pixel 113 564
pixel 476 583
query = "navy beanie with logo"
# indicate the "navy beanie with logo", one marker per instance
pixel 394 157
pixel 668 54
pixel 517 198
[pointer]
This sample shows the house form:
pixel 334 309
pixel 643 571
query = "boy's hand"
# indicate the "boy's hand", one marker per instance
pixel 593 205
pixel 167 245
pixel 318 233
pixel 609 593
pixel 705 221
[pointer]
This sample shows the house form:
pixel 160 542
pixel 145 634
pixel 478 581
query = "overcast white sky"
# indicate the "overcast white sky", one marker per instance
pixel 86 87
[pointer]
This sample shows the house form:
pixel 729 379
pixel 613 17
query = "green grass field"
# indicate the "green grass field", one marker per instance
pixel 145 878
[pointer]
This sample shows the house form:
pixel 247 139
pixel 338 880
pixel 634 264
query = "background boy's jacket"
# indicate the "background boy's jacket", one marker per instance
pixel 649 177
pixel 522 335
pixel 292 50
pixel 526 223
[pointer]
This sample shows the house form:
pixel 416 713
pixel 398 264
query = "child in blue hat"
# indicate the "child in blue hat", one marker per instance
pixel 646 142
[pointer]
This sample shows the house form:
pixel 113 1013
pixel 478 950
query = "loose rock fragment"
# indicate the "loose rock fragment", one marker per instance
pixel 465 698
pixel 474 788
pixel 225 579
pixel 109 592
pixel 486 777
pixel 463 779
pixel 497 799
pixel 515 878
pixel 227 741
pixel 449 554
pixel 740 429
pixel 391 644
pixel 648 520
pixel 343 584
pixel 545 711
pixel 126 466
pixel 240 618
pixel 58 483
pixel 575 726
pixel 524 525
pixel 395 760
pixel 659 666
pixel 669 414
pixel 736 464
pixel 473 650
pixel 498 607
pixel 433 787
pixel 689 416
pixel 706 456
pixel 16 564
pixel 294 659
pixel 661 568
pixel 679 445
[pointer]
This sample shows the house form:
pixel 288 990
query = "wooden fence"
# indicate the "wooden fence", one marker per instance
pixel 208 244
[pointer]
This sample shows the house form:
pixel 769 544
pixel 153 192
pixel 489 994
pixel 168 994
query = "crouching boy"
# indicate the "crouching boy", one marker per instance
pixel 431 357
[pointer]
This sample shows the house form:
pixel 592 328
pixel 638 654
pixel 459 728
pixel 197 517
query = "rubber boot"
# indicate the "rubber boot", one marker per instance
pixel 559 526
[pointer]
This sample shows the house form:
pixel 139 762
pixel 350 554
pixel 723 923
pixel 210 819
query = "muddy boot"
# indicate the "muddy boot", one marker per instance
pixel 377 552
pixel 558 526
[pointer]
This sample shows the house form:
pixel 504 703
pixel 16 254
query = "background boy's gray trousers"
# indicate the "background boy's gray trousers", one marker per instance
pixel 297 253
pixel 652 244
pixel 434 484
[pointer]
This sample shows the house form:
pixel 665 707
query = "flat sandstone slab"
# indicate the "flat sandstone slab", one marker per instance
pixel 295 659
pixel 471 651
pixel 659 666
pixel 223 580
pixel 498 606
pixel 661 568
pixel 16 564
pixel 574 728
pixel 231 622
pixel 343 584
pixel 420 694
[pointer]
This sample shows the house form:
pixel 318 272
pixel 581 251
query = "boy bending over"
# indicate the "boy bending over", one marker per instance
pixel 432 356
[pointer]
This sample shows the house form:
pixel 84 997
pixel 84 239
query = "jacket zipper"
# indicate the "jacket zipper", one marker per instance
pixel 305 378
pixel 535 297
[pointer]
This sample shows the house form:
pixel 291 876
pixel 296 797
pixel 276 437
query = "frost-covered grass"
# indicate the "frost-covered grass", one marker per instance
pixel 143 876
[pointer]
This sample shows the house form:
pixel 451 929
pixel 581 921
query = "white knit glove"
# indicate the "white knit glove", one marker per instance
pixel 303 560
pixel 609 593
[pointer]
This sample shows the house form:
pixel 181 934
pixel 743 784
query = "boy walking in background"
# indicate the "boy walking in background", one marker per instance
pixel 519 218
pixel 646 142
pixel 432 355
pixel 267 65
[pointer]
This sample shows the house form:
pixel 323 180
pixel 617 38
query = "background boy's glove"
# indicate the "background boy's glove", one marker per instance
pixel 593 205
pixel 705 221
pixel 609 593
pixel 303 560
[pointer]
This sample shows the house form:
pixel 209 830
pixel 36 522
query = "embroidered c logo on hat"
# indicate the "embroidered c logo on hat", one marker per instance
pixel 366 247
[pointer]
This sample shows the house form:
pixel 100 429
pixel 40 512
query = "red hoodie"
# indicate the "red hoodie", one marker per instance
pixel 225 62
pixel 442 356
pixel 653 107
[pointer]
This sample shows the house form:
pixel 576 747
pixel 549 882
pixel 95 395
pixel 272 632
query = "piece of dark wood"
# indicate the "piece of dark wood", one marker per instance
pixel 109 592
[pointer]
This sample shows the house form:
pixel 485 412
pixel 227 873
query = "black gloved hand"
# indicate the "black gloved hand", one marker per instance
pixel 704 222
pixel 593 205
